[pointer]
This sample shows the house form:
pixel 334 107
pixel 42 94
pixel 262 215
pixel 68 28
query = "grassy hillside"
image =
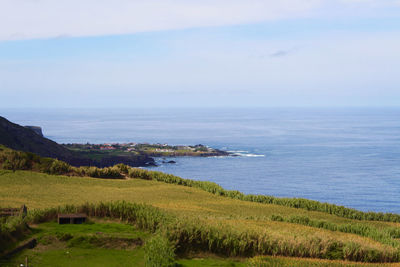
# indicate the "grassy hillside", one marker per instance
pixel 296 232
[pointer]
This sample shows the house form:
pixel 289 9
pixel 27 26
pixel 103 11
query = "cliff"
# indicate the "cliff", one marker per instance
pixel 27 139
pixel 36 129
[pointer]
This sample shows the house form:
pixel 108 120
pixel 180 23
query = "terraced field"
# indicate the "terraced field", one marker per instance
pixel 275 223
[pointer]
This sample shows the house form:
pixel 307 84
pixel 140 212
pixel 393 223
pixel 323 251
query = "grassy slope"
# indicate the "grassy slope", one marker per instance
pixel 38 190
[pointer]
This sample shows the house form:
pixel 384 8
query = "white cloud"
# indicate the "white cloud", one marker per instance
pixel 375 3
pixel 28 19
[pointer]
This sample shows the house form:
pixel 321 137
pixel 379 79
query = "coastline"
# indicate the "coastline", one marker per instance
pixel 120 151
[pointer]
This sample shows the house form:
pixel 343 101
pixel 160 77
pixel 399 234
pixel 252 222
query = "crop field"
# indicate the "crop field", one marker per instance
pixel 297 232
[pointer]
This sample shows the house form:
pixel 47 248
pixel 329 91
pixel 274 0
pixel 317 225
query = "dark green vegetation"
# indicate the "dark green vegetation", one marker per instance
pixel 20 138
pixel 12 230
pixel 18 160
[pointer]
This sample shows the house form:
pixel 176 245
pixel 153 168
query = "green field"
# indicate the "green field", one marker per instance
pixel 40 191
pixel 98 243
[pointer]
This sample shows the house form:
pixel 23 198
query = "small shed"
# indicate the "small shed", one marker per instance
pixel 73 218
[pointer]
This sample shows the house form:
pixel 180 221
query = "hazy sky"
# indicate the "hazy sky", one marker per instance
pixel 163 53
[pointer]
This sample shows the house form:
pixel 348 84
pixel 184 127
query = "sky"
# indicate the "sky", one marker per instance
pixel 209 53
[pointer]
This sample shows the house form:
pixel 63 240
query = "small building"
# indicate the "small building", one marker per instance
pixel 73 218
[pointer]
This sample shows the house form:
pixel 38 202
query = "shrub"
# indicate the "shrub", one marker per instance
pixel 14 160
pixel 12 230
pixel 59 167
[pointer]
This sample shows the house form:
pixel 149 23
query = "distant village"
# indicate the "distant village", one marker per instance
pixel 147 148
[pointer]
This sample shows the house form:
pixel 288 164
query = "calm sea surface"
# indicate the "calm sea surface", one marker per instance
pixel 349 157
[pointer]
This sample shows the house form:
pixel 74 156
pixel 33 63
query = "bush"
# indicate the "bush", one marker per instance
pixel 59 167
pixel 12 230
pixel 14 160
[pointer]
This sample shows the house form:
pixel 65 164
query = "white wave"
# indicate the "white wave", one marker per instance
pixel 249 155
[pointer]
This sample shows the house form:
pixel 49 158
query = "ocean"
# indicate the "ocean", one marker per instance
pixel 345 156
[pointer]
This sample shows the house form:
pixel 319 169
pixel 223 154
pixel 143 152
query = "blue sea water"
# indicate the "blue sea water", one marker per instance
pixel 349 156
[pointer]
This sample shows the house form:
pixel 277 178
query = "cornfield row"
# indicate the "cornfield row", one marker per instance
pixel 388 235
